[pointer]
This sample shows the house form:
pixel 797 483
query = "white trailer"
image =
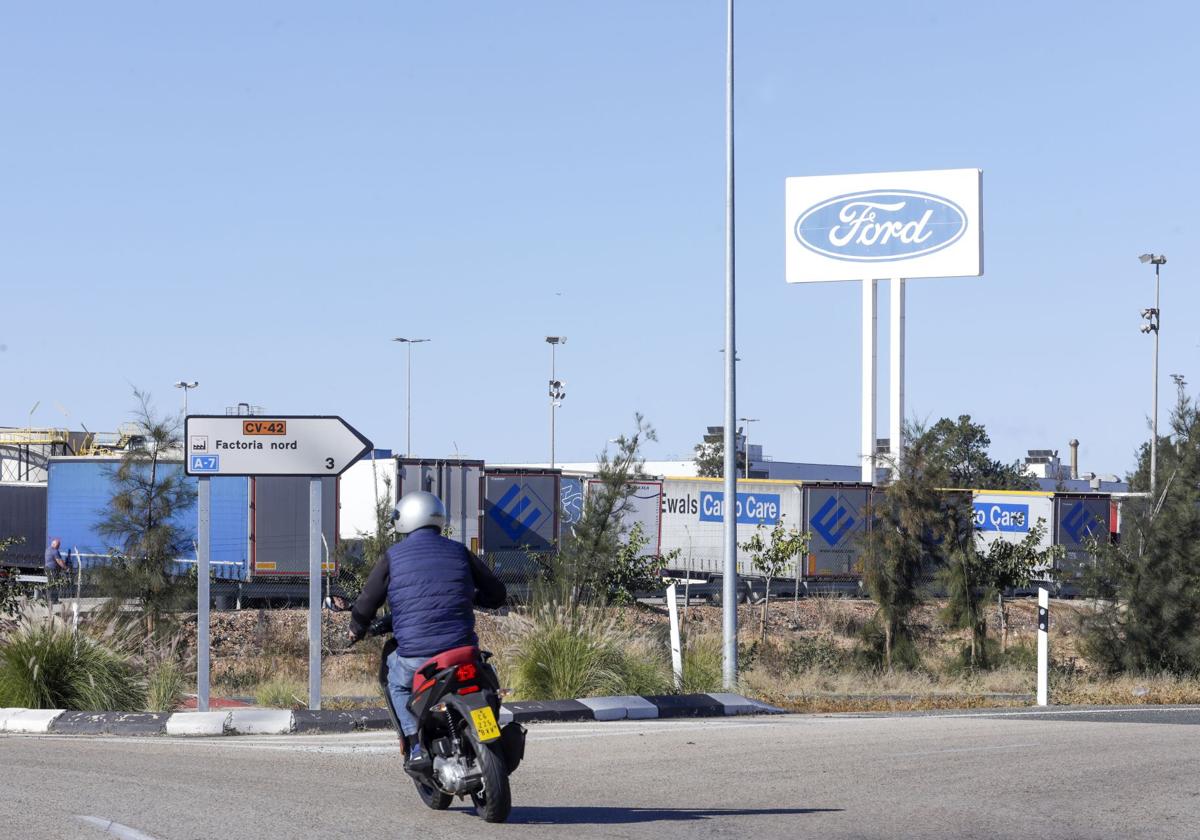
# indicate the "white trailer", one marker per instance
pixel 693 513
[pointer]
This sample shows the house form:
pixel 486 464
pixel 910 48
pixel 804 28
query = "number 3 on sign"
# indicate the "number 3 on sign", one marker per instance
pixel 328 463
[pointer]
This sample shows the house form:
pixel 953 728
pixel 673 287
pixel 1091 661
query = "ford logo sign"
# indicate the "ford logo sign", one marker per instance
pixel 881 225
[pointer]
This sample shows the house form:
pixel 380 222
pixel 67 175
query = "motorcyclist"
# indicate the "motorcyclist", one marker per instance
pixel 431 585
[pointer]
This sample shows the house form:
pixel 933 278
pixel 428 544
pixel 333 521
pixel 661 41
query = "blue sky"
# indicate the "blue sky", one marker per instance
pixel 259 196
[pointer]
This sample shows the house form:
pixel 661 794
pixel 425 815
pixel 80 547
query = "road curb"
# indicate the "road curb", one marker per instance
pixel 284 722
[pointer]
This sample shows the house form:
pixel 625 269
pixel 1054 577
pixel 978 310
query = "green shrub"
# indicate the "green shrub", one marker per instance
pixel 817 652
pixel 164 687
pixel 49 666
pixel 569 652
pixel 703 664
pixel 644 667
pixel 1021 656
pixel 871 652
pixel 281 693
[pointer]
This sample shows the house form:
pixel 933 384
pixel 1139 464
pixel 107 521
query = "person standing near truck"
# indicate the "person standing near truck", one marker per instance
pixel 56 569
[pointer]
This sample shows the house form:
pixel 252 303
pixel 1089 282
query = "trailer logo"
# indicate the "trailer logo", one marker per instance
pixel 752 508
pixel 1077 523
pixel 516 512
pixel 991 516
pixel 832 521
pixel 880 225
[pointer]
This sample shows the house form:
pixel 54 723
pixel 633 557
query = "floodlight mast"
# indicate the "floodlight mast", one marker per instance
pixel 1154 319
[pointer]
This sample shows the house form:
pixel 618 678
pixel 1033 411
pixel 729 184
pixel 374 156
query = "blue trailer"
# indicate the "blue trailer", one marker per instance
pixel 258 527
pixel 79 490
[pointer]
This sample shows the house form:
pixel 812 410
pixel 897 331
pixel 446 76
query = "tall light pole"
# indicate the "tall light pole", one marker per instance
pixel 558 391
pixel 729 548
pixel 186 386
pixel 747 421
pixel 1153 320
pixel 409 342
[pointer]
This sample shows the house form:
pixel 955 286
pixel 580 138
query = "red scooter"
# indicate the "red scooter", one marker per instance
pixel 456 701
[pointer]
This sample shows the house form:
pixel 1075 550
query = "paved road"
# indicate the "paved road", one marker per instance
pixel 1063 774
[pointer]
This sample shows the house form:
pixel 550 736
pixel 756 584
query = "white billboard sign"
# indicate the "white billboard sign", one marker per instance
pixel 884 225
pixel 277 445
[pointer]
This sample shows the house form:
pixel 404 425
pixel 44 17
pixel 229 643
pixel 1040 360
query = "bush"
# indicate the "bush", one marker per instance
pixel 818 652
pixel 51 667
pixel 871 652
pixel 164 687
pixel 703 664
pixel 645 667
pixel 569 652
pixel 281 693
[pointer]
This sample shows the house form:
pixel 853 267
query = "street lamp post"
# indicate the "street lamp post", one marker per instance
pixel 558 391
pixel 186 386
pixel 729 542
pixel 747 421
pixel 1152 325
pixel 409 342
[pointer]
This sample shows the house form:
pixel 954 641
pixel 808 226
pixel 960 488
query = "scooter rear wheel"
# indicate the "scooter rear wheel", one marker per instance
pixel 433 797
pixel 494 802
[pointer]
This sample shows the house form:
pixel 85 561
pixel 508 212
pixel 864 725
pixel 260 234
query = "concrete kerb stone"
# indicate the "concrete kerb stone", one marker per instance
pixel 110 723
pixel 281 722
pixel 357 720
pixel 736 704
pixel 31 721
pixel 198 723
pixel 260 722
pixel 630 707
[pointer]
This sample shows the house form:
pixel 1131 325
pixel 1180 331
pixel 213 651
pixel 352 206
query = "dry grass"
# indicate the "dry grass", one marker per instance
pixel 1164 689
pixel 808 664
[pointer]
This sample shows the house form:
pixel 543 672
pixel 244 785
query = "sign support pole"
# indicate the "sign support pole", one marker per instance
pixel 676 655
pixel 870 320
pixel 1043 647
pixel 314 593
pixel 896 414
pixel 203 551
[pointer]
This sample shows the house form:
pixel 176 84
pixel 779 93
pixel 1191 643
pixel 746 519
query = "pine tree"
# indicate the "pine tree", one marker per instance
pixel 1149 620
pixel 143 520
pixel 911 520
pixel 586 558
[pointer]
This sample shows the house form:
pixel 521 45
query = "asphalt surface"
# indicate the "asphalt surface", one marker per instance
pixel 1011 774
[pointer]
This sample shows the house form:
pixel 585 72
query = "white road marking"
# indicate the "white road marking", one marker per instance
pixel 115 828
pixel 1036 712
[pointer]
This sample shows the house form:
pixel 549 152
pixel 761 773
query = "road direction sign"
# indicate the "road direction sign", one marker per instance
pixel 274 445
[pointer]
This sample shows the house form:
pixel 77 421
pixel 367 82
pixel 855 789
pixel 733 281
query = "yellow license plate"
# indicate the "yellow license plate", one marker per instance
pixel 485 724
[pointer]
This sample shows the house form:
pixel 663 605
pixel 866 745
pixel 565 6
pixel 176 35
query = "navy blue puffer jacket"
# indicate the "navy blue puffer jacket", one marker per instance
pixel 431 593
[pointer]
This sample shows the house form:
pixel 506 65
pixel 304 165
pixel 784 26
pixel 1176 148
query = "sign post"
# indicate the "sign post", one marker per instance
pixel 673 617
pixel 897 225
pixel 203 556
pixel 314 593
pixel 1043 681
pixel 281 445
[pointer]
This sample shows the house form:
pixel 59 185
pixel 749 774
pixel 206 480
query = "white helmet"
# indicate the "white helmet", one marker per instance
pixel 419 509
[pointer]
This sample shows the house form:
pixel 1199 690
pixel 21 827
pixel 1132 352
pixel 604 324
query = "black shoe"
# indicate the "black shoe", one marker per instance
pixel 418 761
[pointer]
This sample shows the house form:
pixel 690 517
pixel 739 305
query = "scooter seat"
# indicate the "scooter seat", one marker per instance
pixel 446 659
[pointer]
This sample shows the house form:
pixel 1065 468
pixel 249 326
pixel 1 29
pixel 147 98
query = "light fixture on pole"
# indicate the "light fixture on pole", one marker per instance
pixel 408 410
pixel 747 421
pixel 558 389
pixel 1152 325
pixel 186 386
